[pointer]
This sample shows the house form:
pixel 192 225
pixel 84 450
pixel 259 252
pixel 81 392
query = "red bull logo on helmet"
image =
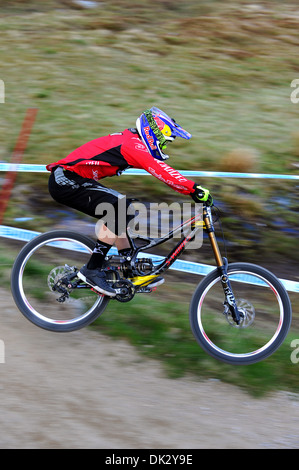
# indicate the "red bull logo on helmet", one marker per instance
pixel 149 138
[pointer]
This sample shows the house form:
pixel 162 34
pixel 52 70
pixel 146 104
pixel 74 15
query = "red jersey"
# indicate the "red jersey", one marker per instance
pixel 112 154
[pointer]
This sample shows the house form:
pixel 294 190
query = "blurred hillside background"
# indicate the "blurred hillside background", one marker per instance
pixel 223 70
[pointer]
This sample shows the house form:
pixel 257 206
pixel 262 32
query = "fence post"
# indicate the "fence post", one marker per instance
pixel 2 91
pixel 2 352
pixel 16 158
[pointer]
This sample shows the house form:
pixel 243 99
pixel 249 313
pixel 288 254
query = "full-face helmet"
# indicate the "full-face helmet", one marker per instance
pixel 156 129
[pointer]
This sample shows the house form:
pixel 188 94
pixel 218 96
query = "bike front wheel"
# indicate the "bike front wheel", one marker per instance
pixel 45 287
pixel 265 311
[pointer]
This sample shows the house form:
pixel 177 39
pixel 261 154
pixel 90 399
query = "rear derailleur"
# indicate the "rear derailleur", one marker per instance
pixel 61 280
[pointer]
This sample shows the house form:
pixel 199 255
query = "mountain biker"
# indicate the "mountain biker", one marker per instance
pixel 74 181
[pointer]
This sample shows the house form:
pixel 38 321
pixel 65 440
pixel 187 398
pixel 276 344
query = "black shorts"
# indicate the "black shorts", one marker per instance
pixel 90 197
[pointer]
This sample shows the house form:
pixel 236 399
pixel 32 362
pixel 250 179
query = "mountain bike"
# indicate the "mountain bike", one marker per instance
pixel 240 313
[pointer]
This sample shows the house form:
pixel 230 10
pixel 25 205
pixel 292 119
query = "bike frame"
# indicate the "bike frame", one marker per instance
pixel 195 223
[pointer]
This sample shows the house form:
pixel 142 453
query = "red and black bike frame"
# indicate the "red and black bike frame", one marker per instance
pixel 196 223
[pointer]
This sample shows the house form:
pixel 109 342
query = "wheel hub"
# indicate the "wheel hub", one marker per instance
pixel 247 314
pixel 59 280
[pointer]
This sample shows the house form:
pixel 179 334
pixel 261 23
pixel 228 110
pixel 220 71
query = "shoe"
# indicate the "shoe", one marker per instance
pixel 97 279
pixel 148 281
pixel 157 282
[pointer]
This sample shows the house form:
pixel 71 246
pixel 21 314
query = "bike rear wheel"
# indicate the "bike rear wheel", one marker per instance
pixel 265 315
pixel 43 281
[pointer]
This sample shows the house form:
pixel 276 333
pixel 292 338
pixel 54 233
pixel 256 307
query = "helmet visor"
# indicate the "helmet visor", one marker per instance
pixel 176 129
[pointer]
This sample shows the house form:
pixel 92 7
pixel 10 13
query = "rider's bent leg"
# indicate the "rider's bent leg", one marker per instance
pixel 105 235
pixel 87 196
pixel 91 272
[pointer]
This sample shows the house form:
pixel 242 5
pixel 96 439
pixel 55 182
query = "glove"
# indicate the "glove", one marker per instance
pixel 202 195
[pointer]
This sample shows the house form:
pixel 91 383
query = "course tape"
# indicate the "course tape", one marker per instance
pixel 178 265
pixel 29 168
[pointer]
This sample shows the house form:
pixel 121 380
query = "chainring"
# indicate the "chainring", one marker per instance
pixel 125 290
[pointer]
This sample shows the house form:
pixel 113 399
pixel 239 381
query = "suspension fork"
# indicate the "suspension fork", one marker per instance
pixel 221 265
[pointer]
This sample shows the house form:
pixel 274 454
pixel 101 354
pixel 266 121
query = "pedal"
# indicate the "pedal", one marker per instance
pixel 97 292
pixel 146 290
